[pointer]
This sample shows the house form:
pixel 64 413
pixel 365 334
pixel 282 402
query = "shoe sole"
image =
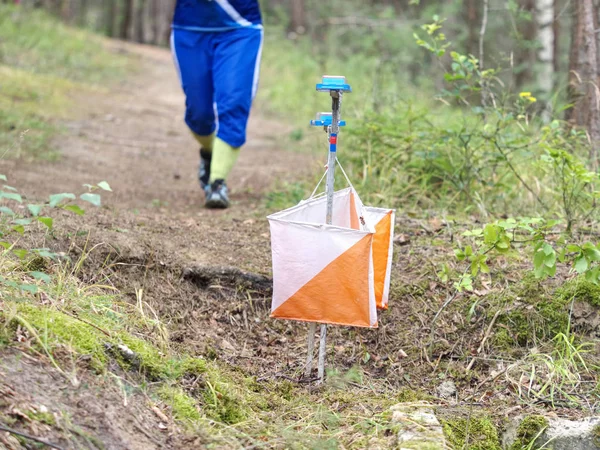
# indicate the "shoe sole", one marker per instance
pixel 216 204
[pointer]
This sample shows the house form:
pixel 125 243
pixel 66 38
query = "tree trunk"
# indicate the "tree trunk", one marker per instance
pixel 545 56
pixel 126 24
pixel 556 35
pixel 155 19
pixel 110 12
pixel 139 21
pixel 525 57
pixel 473 23
pixel 297 17
pixel 169 17
pixel 584 80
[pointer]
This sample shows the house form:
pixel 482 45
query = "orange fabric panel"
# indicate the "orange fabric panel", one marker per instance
pixel 381 247
pixel 339 294
pixel 353 216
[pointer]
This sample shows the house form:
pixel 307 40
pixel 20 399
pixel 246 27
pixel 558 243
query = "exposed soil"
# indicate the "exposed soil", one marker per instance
pixel 207 273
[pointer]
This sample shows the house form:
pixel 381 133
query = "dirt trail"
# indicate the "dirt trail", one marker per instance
pixel 133 136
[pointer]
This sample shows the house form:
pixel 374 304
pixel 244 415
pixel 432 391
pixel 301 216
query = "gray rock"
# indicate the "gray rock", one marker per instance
pixel 447 389
pixel 418 427
pixel 561 434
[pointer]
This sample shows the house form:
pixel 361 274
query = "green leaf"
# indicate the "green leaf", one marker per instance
pixel 474 268
pixel 10 188
pixel 550 260
pixel 547 248
pixel 6 245
pixel 41 276
pixel 32 288
pixel 538 259
pixel 35 209
pixel 503 245
pixel 573 248
pixel 11 196
pixel 24 221
pixel 3 177
pixel 490 234
pixel 460 255
pixel 19 229
pixel 484 267
pixel 55 199
pixel 592 254
pixel 76 209
pixel 94 199
pixel 6 210
pixel 20 252
pixel 45 253
pixel 46 221
pixel 104 185
pixel 581 264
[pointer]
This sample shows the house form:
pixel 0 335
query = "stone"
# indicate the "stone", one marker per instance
pixel 418 427
pixel 447 389
pixel 560 434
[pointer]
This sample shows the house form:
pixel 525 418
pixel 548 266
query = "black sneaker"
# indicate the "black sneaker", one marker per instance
pixel 217 195
pixel 204 169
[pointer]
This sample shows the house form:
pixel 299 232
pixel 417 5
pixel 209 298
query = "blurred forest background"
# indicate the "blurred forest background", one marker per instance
pixel 477 98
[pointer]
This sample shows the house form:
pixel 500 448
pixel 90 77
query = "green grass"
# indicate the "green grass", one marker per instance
pixel 68 322
pixel 42 62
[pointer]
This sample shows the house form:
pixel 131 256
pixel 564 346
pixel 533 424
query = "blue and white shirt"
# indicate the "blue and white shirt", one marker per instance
pixel 216 15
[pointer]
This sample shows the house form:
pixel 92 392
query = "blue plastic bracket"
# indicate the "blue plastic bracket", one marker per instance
pixel 324 119
pixel 333 83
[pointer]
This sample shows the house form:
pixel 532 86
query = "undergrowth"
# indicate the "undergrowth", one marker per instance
pixel 41 62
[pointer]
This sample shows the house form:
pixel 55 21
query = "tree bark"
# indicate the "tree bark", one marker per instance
pixel 110 12
pixel 472 18
pixel 545 54
pixel 139 21
pixel 127 18
pixel 584 82
pixel 297 17
pixel 526 57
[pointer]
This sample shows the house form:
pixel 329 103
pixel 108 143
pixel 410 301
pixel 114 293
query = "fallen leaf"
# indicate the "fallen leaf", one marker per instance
pixel 160 414
pixel 402 239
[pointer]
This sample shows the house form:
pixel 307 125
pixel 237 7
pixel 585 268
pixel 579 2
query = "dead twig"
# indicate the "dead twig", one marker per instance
pixel 485 338
pixel 27 436
pixel 75 316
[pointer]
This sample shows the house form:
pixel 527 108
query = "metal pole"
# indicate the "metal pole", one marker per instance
pixel 312 328
pixel 336 97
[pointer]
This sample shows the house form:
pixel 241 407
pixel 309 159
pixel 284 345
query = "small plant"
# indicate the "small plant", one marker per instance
pixel 18 222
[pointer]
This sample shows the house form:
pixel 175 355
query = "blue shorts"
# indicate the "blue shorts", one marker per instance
pixel 219 75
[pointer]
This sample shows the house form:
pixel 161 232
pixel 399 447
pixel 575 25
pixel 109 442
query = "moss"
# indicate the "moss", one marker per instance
pixel 226 396
pixel 528 430
pixel 406 395
pixel 183 407
pixel 532 314
pixel 475 433
pixel 54 327
pixel 581 290
pixel 44 417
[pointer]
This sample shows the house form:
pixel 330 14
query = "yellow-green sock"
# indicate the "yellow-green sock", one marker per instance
pixel 223 159
pixel 206 142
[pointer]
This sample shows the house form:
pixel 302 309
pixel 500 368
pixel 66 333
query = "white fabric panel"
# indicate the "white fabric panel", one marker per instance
pixel 373 216
pixel 301 251
pixel 315 210
pixel 388 275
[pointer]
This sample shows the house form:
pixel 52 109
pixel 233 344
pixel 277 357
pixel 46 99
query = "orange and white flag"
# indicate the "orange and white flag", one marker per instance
pixel 326 273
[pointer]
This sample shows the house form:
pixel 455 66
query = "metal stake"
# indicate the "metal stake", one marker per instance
pixel 335 86
pixel 334 128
